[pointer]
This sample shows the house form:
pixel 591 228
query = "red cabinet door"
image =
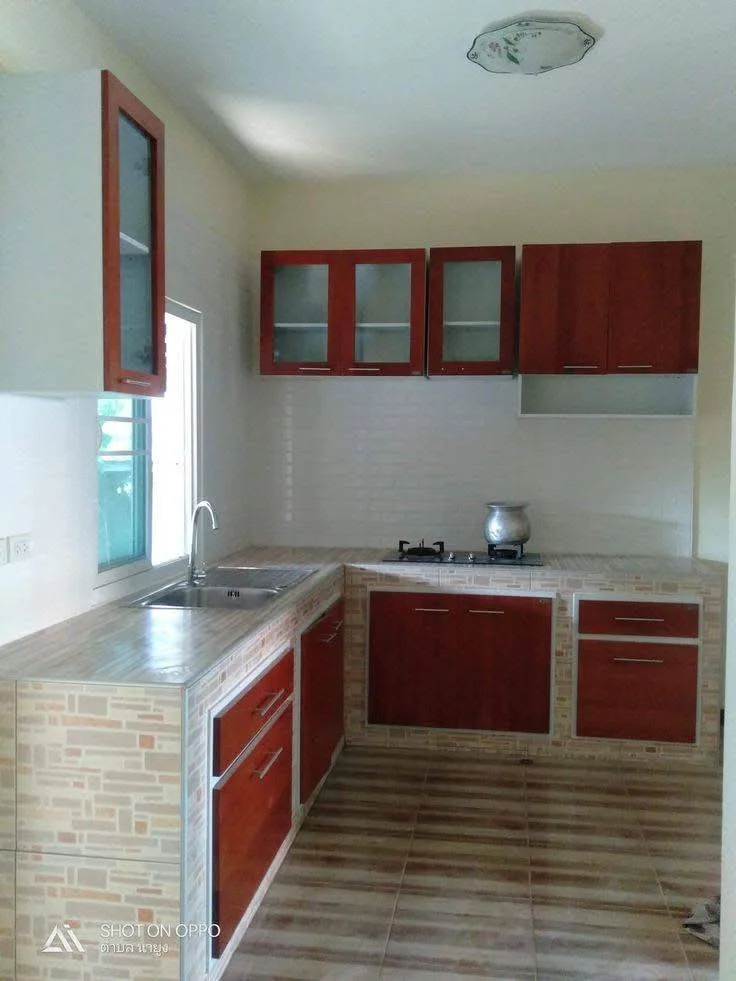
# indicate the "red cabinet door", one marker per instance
pixel 564 309
pixel 251 813
pixel 637 690
pixel 413 672
pixel 472 309
pixel 321 697
pixel 654 307
pixel 504 652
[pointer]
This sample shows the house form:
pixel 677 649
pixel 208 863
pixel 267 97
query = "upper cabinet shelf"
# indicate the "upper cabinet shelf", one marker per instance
pixel 471 311
pixel 343 312
pixel 625 307
pixel 82 163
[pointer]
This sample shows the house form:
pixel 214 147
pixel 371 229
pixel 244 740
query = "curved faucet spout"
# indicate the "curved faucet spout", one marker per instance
pixel 195 572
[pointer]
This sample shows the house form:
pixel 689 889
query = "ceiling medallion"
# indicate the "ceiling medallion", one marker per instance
pixel 530 47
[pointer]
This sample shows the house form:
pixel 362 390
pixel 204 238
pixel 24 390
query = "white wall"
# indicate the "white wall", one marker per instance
pixel 416 457
pixel 47 447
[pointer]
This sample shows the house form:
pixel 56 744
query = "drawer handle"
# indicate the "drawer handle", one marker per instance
pixel 641 619
pixel 487 611
pixel 267 766
pixel 640 660
pixel 334 634
pixel 429 609
pixel 265 707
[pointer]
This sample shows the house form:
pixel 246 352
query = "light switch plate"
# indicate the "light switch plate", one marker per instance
pixel 3 551
pixel 19 547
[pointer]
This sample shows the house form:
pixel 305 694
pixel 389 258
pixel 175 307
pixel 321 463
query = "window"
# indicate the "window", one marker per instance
pixel 146 472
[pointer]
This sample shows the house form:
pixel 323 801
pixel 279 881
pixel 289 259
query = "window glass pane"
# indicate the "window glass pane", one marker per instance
pixel 120 436
pixel 122 491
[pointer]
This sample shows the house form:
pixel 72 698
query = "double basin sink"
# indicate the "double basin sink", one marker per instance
pixel 228 588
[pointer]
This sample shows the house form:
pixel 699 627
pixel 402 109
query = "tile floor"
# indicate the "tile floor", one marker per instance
pixel 417 867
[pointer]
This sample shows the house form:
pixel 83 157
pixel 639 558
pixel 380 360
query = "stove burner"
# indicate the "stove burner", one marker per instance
pixel 508 554
pixel 506 551
pixel 421 549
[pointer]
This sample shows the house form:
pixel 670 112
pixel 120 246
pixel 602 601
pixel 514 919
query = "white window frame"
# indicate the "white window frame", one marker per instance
pixel 142 570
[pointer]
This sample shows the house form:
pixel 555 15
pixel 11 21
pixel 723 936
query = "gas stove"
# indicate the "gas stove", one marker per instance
pixel 435 553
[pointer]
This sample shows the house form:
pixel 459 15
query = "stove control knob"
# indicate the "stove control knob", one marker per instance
pixel 450 556
pixel 471 557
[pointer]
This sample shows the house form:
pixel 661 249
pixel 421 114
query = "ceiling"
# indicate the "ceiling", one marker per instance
pixel 332 88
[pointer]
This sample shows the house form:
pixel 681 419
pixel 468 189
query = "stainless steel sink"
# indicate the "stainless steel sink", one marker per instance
pixel 228 588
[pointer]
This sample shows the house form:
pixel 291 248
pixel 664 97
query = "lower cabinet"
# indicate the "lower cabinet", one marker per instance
pixel 321 697
pixel 252 800
pixel 460 661
pixel 637 669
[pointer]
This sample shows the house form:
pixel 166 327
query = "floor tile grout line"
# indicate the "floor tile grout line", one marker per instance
pixel 403 869
pixel 529 869
pixel 658 879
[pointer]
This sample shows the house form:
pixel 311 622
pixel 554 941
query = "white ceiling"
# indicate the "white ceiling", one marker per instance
pixel 326 88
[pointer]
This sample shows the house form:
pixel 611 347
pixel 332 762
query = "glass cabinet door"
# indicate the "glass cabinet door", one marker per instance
pixel 382 312
pixel 133 243
pixel 471 310
pixel 300 303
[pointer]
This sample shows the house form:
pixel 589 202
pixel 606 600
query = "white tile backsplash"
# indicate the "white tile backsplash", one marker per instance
pixel 367 461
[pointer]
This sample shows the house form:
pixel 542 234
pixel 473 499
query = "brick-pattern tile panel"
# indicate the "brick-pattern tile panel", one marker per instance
pixel 99 770
pixel 7 764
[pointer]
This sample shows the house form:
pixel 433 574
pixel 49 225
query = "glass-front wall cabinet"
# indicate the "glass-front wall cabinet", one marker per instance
pixel 343 312
pixel 133 239
pixel 471 310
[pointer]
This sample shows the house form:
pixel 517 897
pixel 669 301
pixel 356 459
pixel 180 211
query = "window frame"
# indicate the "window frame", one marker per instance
pixel 143 568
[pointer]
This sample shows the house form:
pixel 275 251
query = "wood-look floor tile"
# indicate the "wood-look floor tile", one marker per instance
pixel 595 880
pixel 456 869
pixel 578 942
pixel 245 967
pixel 446 937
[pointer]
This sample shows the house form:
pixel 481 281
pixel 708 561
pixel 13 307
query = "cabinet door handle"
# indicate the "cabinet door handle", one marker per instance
pixel 641 619
pixel 265 707
pixel 335 632
pixel 315 369
pixel 267 766
pixel 640 660
pixel 634 365
pixel 135 381
pixel 429 609
pixel 364 369
pixel 572 367
pixel 487 611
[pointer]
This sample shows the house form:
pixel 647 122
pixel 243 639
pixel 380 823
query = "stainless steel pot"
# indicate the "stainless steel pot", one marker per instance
pixel 507 523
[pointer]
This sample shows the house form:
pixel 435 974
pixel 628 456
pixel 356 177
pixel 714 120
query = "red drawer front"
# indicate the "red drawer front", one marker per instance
pixel 634 619
pixel 637 691
pixel 251 814
pixel 236 725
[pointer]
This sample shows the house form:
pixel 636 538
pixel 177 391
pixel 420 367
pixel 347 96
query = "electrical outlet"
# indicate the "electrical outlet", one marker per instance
pixel 19 547
pixel 3 551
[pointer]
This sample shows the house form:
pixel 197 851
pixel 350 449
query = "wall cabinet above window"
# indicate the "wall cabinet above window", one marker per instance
pixel 620 308
pixel 471 311
pixel 82 237
pixel 343 312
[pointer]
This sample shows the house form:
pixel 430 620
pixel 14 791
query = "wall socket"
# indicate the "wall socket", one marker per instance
pixel 19 547
pixel 3 551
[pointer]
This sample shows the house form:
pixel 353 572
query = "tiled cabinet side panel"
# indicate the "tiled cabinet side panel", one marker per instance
pixel 94 896
pixel 7 914
pixel 7 764
pixel 99 770
pixel 229 677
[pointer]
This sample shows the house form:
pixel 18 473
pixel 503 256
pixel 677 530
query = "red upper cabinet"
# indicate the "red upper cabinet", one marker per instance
pixel 82 236
pixel 564 309
pixel 471 310
pixel 654 307
pixel 132 242
pixel 626 307
pixel 343 312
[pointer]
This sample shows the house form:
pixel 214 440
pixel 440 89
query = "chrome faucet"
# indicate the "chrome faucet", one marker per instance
pixel 196 574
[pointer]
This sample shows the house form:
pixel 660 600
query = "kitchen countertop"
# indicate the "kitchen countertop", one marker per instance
pixel 119 644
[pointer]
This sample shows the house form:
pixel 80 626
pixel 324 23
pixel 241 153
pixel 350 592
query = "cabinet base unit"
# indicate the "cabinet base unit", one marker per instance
pixel 251 815
pixel 460 661
pixel 643 691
